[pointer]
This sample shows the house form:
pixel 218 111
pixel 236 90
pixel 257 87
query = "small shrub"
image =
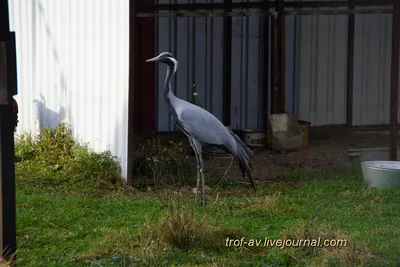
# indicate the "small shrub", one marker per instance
pixel 53 158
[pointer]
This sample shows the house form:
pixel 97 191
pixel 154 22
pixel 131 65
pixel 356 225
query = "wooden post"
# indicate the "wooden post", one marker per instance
pixel 7 158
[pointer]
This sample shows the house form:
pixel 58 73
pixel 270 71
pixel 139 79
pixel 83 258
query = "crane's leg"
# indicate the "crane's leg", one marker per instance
pixel 199 150
pixel 202 180
pixel 198 167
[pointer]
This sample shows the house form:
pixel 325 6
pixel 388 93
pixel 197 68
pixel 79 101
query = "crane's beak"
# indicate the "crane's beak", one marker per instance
pixel 152 59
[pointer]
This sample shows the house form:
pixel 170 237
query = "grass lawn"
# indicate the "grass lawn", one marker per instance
pixel 72 210
pixel 73 228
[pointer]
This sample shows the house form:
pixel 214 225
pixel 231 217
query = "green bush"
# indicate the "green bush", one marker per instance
pixel 53 157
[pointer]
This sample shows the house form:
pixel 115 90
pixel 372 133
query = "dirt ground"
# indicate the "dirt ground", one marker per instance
pixel 326 150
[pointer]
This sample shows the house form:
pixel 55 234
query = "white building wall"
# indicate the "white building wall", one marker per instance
pixel 72 59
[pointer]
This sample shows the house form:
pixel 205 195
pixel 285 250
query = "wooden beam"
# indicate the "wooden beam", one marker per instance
pixel 268 13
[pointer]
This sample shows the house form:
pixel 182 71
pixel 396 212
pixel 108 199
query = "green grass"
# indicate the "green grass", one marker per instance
pixel 75 216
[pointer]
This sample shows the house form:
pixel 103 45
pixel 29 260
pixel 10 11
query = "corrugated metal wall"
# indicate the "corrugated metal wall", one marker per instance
pixel 321 68
pixel 320 75
pixel 247 82
pixel 72 61
pixel 197 43
pixel 372 63
pixel 316 67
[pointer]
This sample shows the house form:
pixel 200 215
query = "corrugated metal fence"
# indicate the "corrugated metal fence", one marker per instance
pixel 316 67
pixel 197 43
pixel 321 69
pixel 72 61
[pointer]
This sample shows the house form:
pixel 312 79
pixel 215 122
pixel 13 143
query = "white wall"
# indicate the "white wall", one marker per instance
pixel 72 58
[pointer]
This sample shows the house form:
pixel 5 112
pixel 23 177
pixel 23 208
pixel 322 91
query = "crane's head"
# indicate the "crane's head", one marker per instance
pixel 166 58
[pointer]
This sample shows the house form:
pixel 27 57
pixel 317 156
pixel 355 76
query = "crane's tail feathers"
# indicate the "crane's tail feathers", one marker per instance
pixel 238 140
pixel 243 158
pixel 246 169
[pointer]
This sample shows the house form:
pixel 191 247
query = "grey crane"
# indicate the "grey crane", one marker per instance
pixel 201 127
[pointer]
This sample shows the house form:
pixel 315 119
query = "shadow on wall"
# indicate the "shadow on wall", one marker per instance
pixel 47 117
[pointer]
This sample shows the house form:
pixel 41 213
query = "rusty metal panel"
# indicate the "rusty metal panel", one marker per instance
pixel 72 59
pixel 320 72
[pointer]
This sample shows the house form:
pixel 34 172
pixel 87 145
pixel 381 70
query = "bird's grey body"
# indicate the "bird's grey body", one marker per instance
pixel 201 127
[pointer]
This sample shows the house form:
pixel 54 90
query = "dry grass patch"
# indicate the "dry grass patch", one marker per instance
pixel 5 262
pixel 266 202
pixel 344 251
pixel 181 229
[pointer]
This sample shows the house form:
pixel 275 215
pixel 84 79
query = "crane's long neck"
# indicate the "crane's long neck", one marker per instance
pixel 168 94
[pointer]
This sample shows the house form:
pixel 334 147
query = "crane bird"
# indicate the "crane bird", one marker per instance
pixel 201 127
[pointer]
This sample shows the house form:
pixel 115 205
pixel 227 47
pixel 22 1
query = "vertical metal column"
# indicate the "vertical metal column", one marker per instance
pixel 350 66
pixel 282 55
pixel 274 66
pixel 131 98
pixel 394 90
pixel 266 65
pixel 227 64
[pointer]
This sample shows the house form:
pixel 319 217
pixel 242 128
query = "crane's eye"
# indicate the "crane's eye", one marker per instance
pixel 163 57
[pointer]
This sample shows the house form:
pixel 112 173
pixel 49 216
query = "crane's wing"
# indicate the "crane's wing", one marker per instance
pixel 204 127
